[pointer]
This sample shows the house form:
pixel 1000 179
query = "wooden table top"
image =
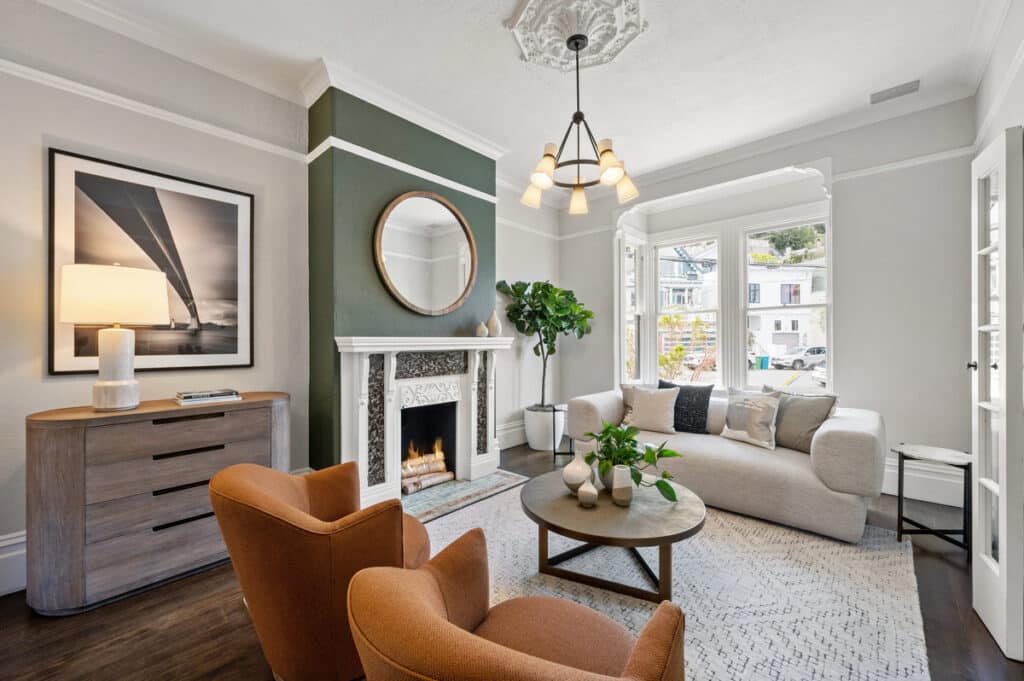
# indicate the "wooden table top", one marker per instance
pixel 86 415
pixel 650 520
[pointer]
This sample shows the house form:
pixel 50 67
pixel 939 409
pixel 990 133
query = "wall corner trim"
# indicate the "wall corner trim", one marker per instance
pixel 325 74
pixel 344 145
pixel 12 562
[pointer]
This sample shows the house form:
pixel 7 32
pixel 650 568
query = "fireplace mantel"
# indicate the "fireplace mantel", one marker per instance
pixel 381 375
pixel 420 343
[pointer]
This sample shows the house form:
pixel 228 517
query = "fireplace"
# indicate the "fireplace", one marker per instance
pixel 428 446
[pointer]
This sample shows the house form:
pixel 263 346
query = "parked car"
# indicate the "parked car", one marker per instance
pixel 693 359
pixel 820 374
pixel 801 358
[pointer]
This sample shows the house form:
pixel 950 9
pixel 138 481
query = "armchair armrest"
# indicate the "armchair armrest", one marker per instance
pixel 848 452
pixel 587 412
pixel 333 491
pixel 658 653
pixel 463 576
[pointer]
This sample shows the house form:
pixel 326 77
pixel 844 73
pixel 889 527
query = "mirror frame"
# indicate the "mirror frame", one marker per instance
pixel 378 252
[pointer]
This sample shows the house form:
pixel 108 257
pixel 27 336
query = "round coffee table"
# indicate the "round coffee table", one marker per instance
pixel 649 521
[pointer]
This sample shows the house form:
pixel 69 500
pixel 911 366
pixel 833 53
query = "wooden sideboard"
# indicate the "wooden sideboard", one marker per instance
pixel 118 501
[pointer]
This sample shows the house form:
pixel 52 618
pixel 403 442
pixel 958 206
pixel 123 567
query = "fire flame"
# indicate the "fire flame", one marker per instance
pixel 414 453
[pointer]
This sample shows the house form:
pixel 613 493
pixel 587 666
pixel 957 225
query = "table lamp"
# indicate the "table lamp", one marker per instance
pixel 110 294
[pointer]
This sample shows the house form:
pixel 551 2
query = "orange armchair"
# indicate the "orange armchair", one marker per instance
pixel 435 623
pixel 295 542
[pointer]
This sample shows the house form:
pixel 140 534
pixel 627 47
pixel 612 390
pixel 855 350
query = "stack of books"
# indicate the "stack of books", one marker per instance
pixel 204 396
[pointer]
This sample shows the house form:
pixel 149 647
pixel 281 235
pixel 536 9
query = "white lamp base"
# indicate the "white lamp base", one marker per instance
pixel 116 388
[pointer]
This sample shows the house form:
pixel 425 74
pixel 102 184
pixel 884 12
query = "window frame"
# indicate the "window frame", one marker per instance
pixel 733 304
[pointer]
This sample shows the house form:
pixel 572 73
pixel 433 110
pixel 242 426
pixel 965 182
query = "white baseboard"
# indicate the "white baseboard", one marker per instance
pixel 511 434
pixel 12 562
pixel 927 482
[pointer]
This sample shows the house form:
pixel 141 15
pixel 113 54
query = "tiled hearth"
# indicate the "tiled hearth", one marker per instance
pixel 381 376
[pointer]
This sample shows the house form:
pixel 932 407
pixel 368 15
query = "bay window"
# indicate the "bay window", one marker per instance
pixel 745 302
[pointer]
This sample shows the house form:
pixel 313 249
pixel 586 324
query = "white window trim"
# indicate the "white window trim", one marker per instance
pixel 732 305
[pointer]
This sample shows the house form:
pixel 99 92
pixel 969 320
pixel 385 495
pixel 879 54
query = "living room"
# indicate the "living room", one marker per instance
pixel 538 339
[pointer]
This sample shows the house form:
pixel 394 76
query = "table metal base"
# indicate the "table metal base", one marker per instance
pixel 919 528
pixel 662 582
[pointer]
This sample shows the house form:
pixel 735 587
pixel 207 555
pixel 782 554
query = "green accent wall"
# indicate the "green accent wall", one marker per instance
pixel 347 193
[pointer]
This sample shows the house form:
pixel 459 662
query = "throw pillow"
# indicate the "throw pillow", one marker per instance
pixel 799 418
pixel 691 412
pixel 750 417
pixel 627 398
pixel 653 409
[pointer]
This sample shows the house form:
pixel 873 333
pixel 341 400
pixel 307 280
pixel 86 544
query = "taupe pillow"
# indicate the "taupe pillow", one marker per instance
pixel 653 409
pixel 627 398
pixel 799 418
pixel 750 417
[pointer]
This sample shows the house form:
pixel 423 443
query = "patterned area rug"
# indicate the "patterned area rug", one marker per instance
pixel 434 502
pixel 762 602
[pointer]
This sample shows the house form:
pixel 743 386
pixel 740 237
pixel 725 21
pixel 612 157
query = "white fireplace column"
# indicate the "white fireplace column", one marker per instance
pixel 373 396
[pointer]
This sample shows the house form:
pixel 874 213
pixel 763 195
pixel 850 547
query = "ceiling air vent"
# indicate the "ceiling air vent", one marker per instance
pixel 907 88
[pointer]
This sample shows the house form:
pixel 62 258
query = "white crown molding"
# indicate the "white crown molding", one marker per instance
pixel 986 27
pixel 326 74
pixel 505 222
pixel 1001 94
pixel 135 106
pixel 715 192
pixel 369 154
pixel 349 344
pixel 556 200
pixel 906 163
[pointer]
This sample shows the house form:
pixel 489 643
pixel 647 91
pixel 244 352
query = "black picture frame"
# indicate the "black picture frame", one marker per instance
pixel 57 355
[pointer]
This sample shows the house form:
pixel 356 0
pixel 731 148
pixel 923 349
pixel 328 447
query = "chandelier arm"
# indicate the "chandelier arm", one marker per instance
pixel 561 146
pixel 593 142
pixel 579 176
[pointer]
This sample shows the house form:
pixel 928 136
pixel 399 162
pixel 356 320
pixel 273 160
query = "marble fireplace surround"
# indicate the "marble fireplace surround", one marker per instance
pixel 380 376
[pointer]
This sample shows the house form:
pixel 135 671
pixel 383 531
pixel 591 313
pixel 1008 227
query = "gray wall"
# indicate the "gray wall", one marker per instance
pixel 37 116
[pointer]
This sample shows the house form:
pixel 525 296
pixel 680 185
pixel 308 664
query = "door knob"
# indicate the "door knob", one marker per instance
pixel 994 365
pixel 972 365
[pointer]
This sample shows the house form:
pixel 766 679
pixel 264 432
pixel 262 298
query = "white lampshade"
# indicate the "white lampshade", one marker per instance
pixel 578 202
pixel 531 197
pixel 543 175
pixel 611 167
pixel 108 294
pixel 626 190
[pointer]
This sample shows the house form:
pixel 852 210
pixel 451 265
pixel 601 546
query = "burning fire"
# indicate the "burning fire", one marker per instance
pixel 414 453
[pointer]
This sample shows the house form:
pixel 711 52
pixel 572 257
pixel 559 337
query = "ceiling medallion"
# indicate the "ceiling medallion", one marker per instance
pixel 542 26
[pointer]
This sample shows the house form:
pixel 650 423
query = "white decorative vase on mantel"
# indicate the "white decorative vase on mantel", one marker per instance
pixel 537 422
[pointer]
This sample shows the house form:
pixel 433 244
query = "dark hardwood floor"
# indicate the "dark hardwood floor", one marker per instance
pixel 197 627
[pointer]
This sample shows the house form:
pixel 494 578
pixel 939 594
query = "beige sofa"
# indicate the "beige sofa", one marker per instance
pixel 827 491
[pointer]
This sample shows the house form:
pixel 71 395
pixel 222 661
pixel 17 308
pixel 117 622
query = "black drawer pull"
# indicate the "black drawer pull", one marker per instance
pixel 194 417
pixel 194 518
pixel 178 488
pixel 186 452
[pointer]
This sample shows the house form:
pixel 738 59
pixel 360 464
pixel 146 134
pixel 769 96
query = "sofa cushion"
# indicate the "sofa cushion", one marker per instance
pixel 751 417
pixel 559 631
pixel 653 409
pixel 799 418
pixel 691 410
pixel 780 485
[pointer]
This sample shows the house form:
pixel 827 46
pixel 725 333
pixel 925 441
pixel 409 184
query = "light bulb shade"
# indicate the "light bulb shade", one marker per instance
pixel 544 174
pixel 578 202
pixel 531 197
pixel 107 294
pixel 625 189
pixel 611 172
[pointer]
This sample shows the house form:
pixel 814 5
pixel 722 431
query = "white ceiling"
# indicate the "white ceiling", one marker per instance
pixel 705 76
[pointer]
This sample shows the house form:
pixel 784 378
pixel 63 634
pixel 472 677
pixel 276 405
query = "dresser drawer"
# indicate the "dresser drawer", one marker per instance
pixel 134 560
pixel 142 439
pixel 161 472
pixel 145 511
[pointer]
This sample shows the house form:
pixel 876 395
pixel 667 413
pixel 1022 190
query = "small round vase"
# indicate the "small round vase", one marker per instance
pixel 494 324
pixel 481 330
pixel 587 494
pixel 622 486
pixel 576 472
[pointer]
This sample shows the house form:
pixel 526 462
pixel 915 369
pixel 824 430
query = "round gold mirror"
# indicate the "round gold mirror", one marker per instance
pixel 425 253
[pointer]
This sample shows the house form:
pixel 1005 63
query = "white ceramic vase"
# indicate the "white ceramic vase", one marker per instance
pixel 481 330
pixel 622 486
pixel 537 421
pixel 494 324
pixel 587 494
pixel 576 472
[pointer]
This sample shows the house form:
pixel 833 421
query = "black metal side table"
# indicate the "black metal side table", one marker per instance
pixel 949 457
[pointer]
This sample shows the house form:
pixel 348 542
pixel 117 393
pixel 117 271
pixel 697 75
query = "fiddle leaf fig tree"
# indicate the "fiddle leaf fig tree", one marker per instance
pixel 543 310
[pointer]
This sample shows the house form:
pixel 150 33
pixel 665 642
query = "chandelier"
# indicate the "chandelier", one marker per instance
pixel 610 169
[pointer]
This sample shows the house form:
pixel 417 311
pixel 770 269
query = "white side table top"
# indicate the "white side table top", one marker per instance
pixel 951 457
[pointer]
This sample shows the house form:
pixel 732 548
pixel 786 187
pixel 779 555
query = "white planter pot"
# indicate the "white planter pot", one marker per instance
pixel 538 428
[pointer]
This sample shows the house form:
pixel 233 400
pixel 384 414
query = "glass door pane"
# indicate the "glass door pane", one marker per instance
pixel 630 316
pixel 688 312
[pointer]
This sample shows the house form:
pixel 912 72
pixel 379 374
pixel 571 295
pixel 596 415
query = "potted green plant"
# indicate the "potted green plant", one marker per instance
pixel 617 445
pixel 542 310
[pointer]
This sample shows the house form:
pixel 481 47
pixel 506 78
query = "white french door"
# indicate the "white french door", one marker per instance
pixel 997 389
